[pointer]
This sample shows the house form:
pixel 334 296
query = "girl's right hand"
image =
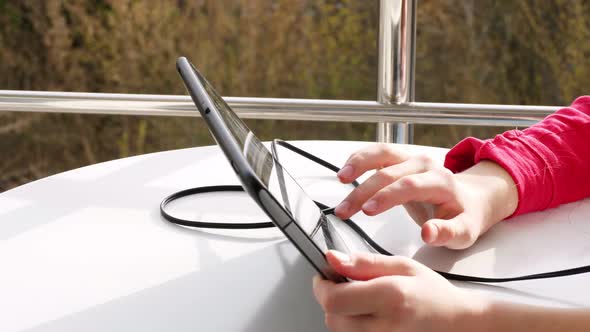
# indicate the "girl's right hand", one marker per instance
pixel 452 209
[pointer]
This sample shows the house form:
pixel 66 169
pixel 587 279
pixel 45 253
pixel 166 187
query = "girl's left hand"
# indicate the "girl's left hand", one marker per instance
pixel 393 294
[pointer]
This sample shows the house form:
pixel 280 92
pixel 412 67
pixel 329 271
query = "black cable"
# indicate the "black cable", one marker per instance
pixel 204 224
pixel 309 156
pixel 326 210
pixel 459 277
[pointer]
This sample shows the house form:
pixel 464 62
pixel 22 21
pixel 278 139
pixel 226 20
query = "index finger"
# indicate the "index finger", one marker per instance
pixel 357 297
pixel 374 156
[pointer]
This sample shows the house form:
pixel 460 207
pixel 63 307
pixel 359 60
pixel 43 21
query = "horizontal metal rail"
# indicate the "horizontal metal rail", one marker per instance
pixel 277 108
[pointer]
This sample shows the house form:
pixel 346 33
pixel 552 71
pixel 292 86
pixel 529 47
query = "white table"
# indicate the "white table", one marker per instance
pixel 87 250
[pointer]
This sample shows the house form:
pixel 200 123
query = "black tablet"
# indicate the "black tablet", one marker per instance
pixel 263 178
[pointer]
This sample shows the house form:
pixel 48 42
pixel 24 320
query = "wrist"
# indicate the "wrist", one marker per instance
pixel 506 316
pixel 475 313
pixel 496 189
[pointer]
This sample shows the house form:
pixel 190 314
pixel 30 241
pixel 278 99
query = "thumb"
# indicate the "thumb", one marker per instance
pixel 366 266
pixel 454 233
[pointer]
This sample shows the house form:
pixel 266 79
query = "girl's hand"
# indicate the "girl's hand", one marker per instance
pixel 452 209
pixel 393 294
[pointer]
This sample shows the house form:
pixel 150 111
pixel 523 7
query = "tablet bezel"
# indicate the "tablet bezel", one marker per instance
pixel 249 179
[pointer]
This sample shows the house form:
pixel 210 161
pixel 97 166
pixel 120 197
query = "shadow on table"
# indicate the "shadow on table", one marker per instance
pixel 221 298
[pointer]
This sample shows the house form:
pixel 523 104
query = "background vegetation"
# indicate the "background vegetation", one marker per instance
pixel 484 51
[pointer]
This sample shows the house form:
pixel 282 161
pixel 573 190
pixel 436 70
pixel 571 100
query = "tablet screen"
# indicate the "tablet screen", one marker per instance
pixel 277 180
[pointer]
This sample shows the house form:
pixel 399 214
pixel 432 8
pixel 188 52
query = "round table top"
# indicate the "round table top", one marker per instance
pixel 87 250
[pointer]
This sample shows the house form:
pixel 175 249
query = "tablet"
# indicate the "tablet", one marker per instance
pixel 264 179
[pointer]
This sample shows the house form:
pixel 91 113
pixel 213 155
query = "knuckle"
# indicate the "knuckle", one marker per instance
pixel 403 301
pixel 384 148
pixel 407 309
pixel 402 294
pixel 371 259
pixel 409 182
pixel 386 175
pixel 451 232
pixel 364 260
pixel 395 293
pixel 445 173
pixel 426 161
pixel 407 265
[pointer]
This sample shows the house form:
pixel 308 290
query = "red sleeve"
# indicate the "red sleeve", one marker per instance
pixel 549 161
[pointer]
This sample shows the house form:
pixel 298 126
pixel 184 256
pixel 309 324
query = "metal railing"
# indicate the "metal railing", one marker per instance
pixel 276 108
pixel 394 111
pixel 395 80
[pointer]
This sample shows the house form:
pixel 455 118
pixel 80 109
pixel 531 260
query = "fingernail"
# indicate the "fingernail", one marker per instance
pixel 370 206
pixel 342 208
pixel 316 279
pixel 433 233
pixel 341 257
pixel 345 172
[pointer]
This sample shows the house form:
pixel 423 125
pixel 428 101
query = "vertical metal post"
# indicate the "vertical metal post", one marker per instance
pixel 397 48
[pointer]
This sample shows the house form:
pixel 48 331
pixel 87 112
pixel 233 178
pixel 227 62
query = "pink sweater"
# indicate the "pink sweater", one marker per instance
pixel 549 161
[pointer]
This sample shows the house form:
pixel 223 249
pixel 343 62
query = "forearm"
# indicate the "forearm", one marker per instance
pixel 504 316
pixel 499 195
pixel 547 161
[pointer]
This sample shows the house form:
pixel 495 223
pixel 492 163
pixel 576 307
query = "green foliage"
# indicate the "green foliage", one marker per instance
pixel 500 52
pixel 484 51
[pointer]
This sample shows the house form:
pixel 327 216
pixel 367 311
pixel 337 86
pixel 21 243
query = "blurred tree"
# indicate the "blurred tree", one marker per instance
pixel 250 48
pixel 485 51
pixel 503 52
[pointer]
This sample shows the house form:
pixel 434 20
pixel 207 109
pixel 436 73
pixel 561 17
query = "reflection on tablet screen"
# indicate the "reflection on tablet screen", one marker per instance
pixel 277 180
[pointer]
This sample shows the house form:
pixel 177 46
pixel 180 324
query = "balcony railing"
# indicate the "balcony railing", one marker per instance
pixel 394 111
pixel 276 108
